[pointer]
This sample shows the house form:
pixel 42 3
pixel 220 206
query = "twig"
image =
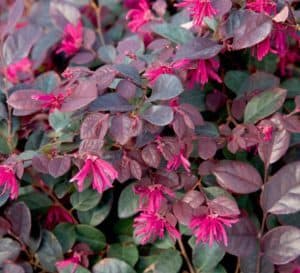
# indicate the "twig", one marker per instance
pixel 185 256
pixel 238 265
pixel 230 117
pixel 98 17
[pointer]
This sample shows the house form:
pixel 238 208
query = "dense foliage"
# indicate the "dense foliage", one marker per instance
pixel 149 136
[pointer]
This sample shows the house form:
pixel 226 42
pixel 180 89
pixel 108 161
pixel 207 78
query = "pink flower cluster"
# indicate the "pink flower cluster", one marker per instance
pixel 103 174
pixel 8 181
pixel 153 221
pixel 72 39
pixel 18 71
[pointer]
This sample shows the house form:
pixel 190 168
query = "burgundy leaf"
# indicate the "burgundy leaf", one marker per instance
pixel 135 169
pixel 238 177
pixel 91 146
pixel 19 216
pixel 242 238
pixel 14 15
pixel 84 94
pixel 182 212
pixel 224 206
pixel 273 150
pixel 282 244
pixel 282 192
pixel 207 147
pixel 94 126
pixel 247 28
pixel 40 163
pixel 160 115
pixel 292 123
pixel 151 156
pixel 120 128
pixel 194 198
pixel 59 166
pixel 200 48
pixel 22 100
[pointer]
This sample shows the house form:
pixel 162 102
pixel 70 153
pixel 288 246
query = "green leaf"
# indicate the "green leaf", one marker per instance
pixel 36 200
pixel 91 236
pixel 50 251
pixel 97 215
pixel 195 98
pixel 234 80
pixel 59 120
pixel 264 104
pixel 70 269
pixel 174 33
pixel 86 200
pixel 66 235
pixel 128 202
pixel 293 87
pixel 9 249
pixel 168 261
pixel 47 81
pixel 112 265
pixel 206 258
pixel 126 252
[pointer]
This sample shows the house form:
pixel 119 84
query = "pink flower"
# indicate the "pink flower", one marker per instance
pixel 8 181
pixel 296 270
pixel 279 36
pixel 178 160
pixel 72 39
pixel 56 215
pixel 153 73
pixel 75 260
pixel 150 225
pixel 103 174
pixel 205 70
pixel 18 71
pixel 267 131
pixel 261 49
pixel 49 101
pixel 138 17
pixel 198 9
pixel 266 6
pixel 210 228
pixel 152 196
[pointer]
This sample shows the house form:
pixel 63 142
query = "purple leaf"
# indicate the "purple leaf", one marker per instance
pixel 281 245
pixel 207 147
pixel 92 146
pixel 120 129
pixel 83 57
pixel 84 94
pixel 135 169
pixel 21 100
pixel 282 192
pixel 10 267
pixel 128 72
pixel 247 28
pixel 59 166
pixel 182 212
pixel 9 250
pixel 94 126
pixel 110 102
pixel 19 216
pixel 166 87
pixel 104 76
pixel 160 115
pixel 224 206
pixel 199 48
pixel 14 15
pixel 238 177
pixel 242 238
pixel 40 163
pixel 151 156
pixel 272 151
pixel 194 198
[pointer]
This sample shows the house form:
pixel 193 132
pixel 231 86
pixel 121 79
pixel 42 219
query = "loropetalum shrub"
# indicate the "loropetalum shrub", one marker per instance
pixel 149 136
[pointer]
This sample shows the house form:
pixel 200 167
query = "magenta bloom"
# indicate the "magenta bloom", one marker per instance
pixel 49 101
pixel 56 215
pixel 178 160
pixel 279 35
pixel 140 16
pixel 103 174
pixel 267 132
pixel 150 225
pixel 8 181
pixel 262 49
pixel 198 9
pixel 205 70
pixel 266 6
pixel 20 70
pixel 75 260
pixel 210 228
pixel 152 196
pixel 72 39
pixel 153 73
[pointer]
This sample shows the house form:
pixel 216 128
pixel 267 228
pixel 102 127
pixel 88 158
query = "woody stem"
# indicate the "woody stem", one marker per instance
pixel 98 17
pixel 185 256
